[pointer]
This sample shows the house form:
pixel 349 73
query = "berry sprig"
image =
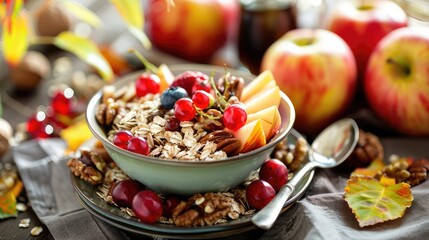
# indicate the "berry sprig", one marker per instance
pixel 233 115
pixel 148 82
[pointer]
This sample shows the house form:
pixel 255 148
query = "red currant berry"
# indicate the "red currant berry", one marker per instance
pixel 122 138
pixel 147 83
pixel 168 205
pixel 201 85
pixel 124 191
pixel 39 126
pixel 234 117
pixel 172 124
pixel 147 206
pixel 138 145
pixel 259 193
pixel 275 173
pixel 184 109
pixel 202 99
pixel 187 80
pixel 62 102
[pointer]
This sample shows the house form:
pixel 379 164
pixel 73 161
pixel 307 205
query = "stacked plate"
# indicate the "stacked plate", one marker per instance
pixel 113 215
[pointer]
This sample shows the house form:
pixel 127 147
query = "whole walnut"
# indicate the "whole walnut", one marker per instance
pixel 368 148
pixel 52 19
pixel 6 132
pixel 28 74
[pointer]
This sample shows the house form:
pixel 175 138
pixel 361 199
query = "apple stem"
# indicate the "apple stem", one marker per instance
pixel 364 5
pixel 401 67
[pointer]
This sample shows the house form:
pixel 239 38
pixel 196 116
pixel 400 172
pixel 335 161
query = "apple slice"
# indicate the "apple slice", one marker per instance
pixel 270 85
pixel 166 77
pixel 264 100
pixel 270 119
pixel 262 82
pixel 251 136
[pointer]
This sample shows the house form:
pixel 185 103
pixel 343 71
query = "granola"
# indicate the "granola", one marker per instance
pixel 181 145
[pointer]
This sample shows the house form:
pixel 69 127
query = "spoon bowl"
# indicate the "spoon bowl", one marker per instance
pixel 330 148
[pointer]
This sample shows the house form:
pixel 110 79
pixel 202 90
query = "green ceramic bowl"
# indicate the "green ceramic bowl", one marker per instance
pixel 186 178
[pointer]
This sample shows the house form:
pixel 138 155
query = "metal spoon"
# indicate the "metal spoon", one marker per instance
pixel 330 148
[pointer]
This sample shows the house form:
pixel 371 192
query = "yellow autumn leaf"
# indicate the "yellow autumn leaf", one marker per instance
pixel 86 50
pixel 15 38
pixel 373 202
pixel 82 13
pixel 375 166
pixel 132 13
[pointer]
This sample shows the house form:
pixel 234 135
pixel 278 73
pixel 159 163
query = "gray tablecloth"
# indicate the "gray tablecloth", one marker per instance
pixel 321 214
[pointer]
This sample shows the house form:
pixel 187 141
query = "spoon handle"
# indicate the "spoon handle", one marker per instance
pixel 266 217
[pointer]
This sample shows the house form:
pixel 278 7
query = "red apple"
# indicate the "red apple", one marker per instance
pixel 317 70
pixel 192 29
pixel 362 24
pixel 397 80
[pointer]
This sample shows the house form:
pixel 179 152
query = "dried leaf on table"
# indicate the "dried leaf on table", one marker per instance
pixel 7 205
pixel 86 51
pixel 372 202
pixel 132 13
pixel 370 171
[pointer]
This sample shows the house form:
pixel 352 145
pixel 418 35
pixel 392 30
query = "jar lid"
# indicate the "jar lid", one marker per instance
pixel 266 4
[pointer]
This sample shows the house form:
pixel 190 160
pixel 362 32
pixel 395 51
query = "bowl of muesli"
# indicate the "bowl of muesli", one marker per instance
pixel 190 128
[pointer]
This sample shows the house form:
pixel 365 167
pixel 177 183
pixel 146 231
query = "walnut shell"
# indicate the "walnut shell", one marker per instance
pixel 368 148
pixel 30 71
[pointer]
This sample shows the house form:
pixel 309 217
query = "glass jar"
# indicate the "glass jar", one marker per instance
pixel 262 22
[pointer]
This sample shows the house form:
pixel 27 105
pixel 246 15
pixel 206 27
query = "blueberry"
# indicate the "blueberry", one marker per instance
pixel 171 95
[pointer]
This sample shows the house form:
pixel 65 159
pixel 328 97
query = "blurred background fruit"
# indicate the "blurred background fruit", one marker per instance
pixel 362 24
pixel 397 80
pixel 193 29
pixel 317 70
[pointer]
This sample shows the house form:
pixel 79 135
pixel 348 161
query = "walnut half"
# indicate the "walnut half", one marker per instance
pixel 224 141
pixel 202 210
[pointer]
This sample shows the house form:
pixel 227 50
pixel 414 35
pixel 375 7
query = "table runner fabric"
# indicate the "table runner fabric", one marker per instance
pixel 322 214
pixel 46 178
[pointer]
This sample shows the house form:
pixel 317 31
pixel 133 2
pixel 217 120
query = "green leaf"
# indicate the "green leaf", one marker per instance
pixel 132 13
pixel 82 13
pixel 86 50
pixel 373 202
pixel 15 38
pixel 7 206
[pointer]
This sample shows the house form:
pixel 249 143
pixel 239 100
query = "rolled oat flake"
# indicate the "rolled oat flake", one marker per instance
pixel 36 231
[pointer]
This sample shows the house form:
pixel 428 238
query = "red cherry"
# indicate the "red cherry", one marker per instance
pixel 124 191
pixel 138 145
pixel 147 206
pixel 275 173
pixel 259 193
pixel 234 117
pixel 122 138
pixel 202 99
pixel 172 124
pixel 147 83
pixel 63 101
pixel 184 109
pixel 168 205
